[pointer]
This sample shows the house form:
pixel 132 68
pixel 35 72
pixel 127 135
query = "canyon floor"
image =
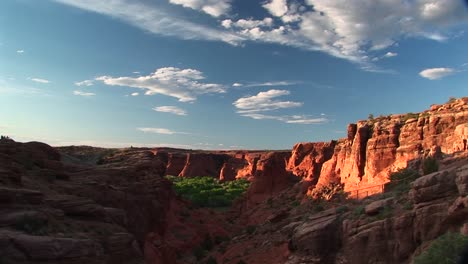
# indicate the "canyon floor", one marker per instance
pixel 321 202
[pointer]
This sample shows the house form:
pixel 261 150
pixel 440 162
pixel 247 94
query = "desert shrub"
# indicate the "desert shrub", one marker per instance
pixel 250 229
pixel 400 180
pixel 295 203
pixel 207 243
pixel 430 165
pixel 358 211
pixel 328 192
pixel 199 253
pixel 342 209
pixel 410 116
pixel 207 191
pixel 211 260
pixel 446 249
pixel 31 225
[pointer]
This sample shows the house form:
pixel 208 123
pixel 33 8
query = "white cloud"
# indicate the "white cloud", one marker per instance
pixel 354 29
pixel 247 23
pixel 39 80
pixel 136 72
pixel 20 51
pixel 163 131
pixel 171 109
pixel 276 7
pixel 153 18
pixel 295 119
pixel 214 8
pixel 134 94
pixel 390 54
pixel 264 101
pixel 265 84
pixel 255 107
pixel 183 84
pixel 81 93
pixel 349 29
pixel 436 73
pixel 85 83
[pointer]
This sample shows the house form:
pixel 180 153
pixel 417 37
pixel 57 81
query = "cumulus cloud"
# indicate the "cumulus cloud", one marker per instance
pixel 436 73
pixel 39 80
pixel 183 84
pixel 171 109
pixel 264 101
pixel 261 106
pixel 153 18
pixel 81 93
pixel 85 83
pixel 356 29
pixel 276 7
pixel 214 8
pixel 163 131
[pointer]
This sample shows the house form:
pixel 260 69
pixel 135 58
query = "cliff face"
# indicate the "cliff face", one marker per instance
pixel 363 160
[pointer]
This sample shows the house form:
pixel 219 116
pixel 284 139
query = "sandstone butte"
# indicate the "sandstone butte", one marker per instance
pixel 90 205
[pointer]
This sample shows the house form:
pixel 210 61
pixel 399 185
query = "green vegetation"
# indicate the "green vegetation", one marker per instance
pixel 400 180
pixel 209 192
pixel 451 100
pixel 410 116
pixel 358 211
pixel 430 165
pixel 446 249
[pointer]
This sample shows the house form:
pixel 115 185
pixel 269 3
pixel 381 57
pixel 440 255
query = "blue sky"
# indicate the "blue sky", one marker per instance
pixel 222 74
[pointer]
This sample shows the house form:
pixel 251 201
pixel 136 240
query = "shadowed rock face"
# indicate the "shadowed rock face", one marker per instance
pixel 121 211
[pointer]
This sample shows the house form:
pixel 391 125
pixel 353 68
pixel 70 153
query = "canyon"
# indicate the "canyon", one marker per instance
pixel 81 204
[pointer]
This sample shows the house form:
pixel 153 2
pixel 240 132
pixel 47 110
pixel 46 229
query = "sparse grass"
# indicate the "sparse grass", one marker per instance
pixel 446 249
pixel 209 192
pixel 400 181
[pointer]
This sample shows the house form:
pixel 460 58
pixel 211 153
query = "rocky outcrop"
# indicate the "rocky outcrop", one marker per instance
pixel 270 177
pixel 203 164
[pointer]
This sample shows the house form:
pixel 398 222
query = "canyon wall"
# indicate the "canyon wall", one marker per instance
pixel 363 160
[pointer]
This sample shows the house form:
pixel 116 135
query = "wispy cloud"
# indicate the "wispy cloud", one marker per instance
pixel 266 84
pixel 353 29
pixel 171 109
pixel 81 93
pixel 20 51
pixel 437 73
pixel 85 83
pixel 183 84
pixel 214 8
pixel 39 80
pixel 289 119
pixel 163 131
pixel 152 17
pixel 134 94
